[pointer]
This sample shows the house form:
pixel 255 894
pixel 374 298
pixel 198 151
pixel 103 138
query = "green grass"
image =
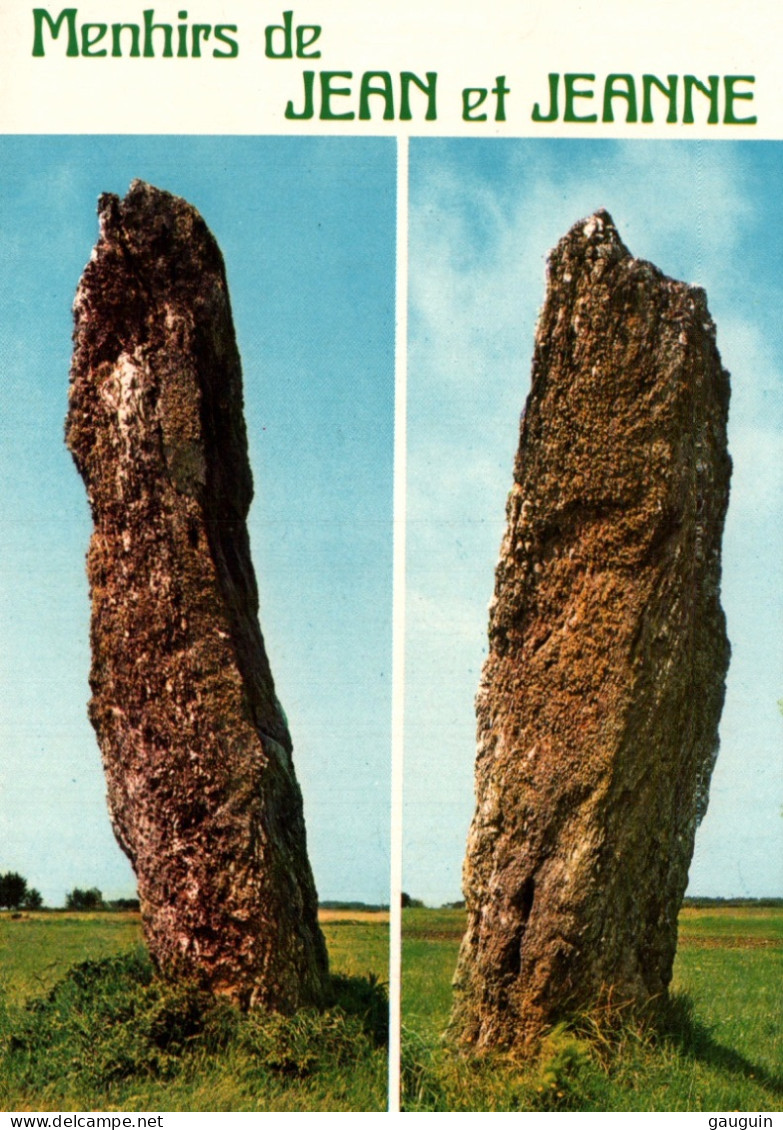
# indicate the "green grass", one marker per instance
pixel 37 950
pixel 720 1046
pixel 106 1034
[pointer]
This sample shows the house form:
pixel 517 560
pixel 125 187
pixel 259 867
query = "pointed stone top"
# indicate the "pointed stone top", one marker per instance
pixel 594 244
pixel 590 240
pixel 599 228
pixel 154 251
pixel 145 208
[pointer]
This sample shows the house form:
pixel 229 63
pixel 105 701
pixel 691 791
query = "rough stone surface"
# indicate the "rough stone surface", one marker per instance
pixel 600 698
pixel 201 786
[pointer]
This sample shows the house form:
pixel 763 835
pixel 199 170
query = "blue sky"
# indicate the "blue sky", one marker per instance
pixel 307 230
pixel 483 217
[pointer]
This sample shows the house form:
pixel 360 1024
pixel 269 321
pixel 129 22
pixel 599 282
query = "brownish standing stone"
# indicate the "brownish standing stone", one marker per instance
pixel 600 698
pixel 201 785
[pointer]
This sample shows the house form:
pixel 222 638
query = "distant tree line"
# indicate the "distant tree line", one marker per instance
pixel 351 904
pixel 93 899
pixel 409 903
pixel 77 899
pixel 16 895
pixel 704 902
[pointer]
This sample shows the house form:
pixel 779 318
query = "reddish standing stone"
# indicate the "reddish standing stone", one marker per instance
pixel 201 786
pixel 600 698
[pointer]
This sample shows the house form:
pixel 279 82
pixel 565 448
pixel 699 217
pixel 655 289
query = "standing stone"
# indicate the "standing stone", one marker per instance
pixel 201 785
pixel 600 698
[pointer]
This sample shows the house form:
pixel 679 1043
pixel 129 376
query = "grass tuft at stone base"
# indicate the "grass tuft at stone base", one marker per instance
pixel 112 1026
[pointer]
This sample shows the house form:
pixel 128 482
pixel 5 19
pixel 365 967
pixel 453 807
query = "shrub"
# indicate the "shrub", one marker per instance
pixel 115 1019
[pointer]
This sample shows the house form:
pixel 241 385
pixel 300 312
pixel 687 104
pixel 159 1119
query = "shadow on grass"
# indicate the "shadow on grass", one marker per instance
pixel 365 998
pixel 590 1062
pixel 678 1025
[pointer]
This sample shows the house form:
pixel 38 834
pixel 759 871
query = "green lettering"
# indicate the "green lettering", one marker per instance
pixel 537 116
pixel 628 93
pixel 270 36
pixel 407 79
pixel 149 27
pixel 729 117
pixel 328 91
pixel 67 14
pixel 116 44
pixel 307 112
pixel 89 42
pixel 197 33
pixel 500 90
pixel 469 104
pixel 670 90
pixel 570 114
pixel 221 34
pixel 182 37
pixel 302 43
pixel 385 90
pixel 691 82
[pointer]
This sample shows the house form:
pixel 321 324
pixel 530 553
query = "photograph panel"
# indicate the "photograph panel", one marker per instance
pixel 305 229
pixel 484 217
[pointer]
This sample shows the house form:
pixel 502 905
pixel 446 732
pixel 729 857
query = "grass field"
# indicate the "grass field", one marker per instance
pixel 722 1049
pixel 106 1036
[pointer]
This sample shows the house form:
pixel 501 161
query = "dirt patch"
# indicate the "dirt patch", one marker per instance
pixel 727 942
pixel 379 916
